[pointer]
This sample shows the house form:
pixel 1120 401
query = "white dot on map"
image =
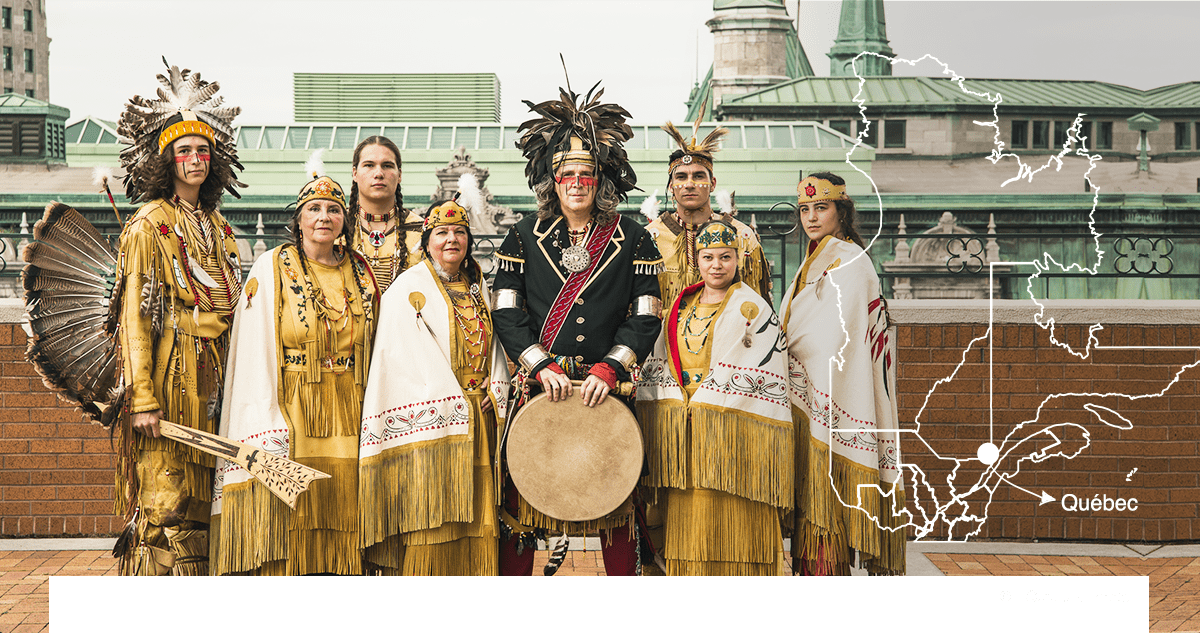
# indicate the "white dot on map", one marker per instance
pixel 988 453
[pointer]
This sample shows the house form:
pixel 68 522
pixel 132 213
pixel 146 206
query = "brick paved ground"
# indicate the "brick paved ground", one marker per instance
pixel 25 584
pixel 1174 582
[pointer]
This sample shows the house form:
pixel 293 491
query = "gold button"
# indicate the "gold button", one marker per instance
pixel 579 338
pixel 579 320
pixel 579 301
pixel 579 359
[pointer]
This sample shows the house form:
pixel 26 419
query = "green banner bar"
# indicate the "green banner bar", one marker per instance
pixel 978 604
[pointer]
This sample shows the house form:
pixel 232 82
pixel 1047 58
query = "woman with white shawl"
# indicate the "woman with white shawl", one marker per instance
pixel 298 355
pixel 713 405
pixel 432 409
pixel 843 390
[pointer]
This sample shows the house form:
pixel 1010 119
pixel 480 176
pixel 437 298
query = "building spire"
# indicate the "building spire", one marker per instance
pixel 861 28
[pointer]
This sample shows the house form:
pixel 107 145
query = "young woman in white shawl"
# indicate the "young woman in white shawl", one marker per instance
pixel 432 409
pixel 843 377
pixel 713 405
pixel 298 357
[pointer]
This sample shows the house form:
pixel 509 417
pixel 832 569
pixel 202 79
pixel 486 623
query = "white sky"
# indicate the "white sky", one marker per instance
pixel 646 52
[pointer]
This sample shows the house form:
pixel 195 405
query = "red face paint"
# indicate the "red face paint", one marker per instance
pixel 204 158
pixel 581 181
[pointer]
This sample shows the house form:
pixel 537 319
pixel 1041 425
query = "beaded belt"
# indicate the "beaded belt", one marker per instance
pixel 297 360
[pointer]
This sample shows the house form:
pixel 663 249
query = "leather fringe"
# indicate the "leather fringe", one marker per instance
pixel 743 454
pixel 251 531
pixel 385 558
pixel 664 433
pixel 326 407
pixel 710 528
pixel 531 517
pixel 731 451
pixel 823 521
pixel 412 504
pixel 466 556
pixel 720 568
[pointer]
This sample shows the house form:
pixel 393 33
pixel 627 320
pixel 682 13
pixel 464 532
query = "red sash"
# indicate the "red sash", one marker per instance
pixel 574 285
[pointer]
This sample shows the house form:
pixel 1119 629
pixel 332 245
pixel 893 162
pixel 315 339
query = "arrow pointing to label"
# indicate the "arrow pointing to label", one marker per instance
pixel 1046 498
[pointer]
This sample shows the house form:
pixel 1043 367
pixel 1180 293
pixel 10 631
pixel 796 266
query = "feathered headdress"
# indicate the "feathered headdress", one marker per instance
pixel 320 186
pixel 567 132
pixel 701 151
pixel 186 105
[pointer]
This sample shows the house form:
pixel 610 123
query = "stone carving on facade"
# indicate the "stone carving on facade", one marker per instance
pixel 958 265
pixel 495 219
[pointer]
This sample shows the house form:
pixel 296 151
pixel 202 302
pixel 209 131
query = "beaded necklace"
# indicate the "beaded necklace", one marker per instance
pixel 474 326
pixel 689 334
pixel 324 310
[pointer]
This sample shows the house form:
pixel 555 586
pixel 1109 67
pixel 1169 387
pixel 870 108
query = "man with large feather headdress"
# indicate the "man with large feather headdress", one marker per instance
pixel 576 297
pixel 181 277
pixel 691 183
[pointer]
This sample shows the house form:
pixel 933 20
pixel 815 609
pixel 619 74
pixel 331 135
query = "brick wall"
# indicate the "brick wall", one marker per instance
pixel 1161 445
pixel 56 470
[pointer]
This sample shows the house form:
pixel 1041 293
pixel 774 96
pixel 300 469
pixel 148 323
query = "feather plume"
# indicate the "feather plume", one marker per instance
pixel 675 135
pixel 469 196
pixel 725 202
pixel 650 206
pixel 101 175
pixel 314 167
pixel 558 554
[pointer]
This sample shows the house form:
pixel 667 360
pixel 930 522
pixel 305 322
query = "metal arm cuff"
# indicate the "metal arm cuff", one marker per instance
pixel 507 298
pixel 647 305
pixel 623 355
pixel 532 355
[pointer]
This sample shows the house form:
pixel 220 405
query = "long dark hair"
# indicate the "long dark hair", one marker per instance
pixel 737 275
pixel 352 211
pixel 158 177
pixel 470 268
pixel 847 216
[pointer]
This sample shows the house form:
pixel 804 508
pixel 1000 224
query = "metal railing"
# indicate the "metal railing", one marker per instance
pixel 961 256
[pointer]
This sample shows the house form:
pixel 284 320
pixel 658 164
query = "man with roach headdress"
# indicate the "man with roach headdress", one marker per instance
pixel 691 182
pixel 181 279
pixel 576 296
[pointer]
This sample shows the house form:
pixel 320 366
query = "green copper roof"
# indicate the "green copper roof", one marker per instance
pixel 862 28
pixel 396 97
pixel 931 94
pixel 745 4
pixel 756 156
pixel 796 63
pixel 13 103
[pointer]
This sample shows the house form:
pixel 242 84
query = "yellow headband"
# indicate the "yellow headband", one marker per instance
pixel 575 154
pixel 189 126
pixel 447 214
pixel 816 190
pixel 323 188
pixel 716 235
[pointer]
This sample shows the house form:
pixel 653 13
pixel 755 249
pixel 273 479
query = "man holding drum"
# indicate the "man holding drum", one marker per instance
pixel 576 296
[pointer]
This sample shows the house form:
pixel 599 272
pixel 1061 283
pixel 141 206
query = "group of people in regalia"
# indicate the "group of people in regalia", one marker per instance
pixel 372 347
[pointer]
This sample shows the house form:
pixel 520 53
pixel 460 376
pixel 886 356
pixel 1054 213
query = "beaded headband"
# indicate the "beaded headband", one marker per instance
pixel 716 235
pixel 816 190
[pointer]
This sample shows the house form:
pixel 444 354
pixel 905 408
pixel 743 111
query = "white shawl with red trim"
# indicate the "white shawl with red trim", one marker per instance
pixel 739 422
